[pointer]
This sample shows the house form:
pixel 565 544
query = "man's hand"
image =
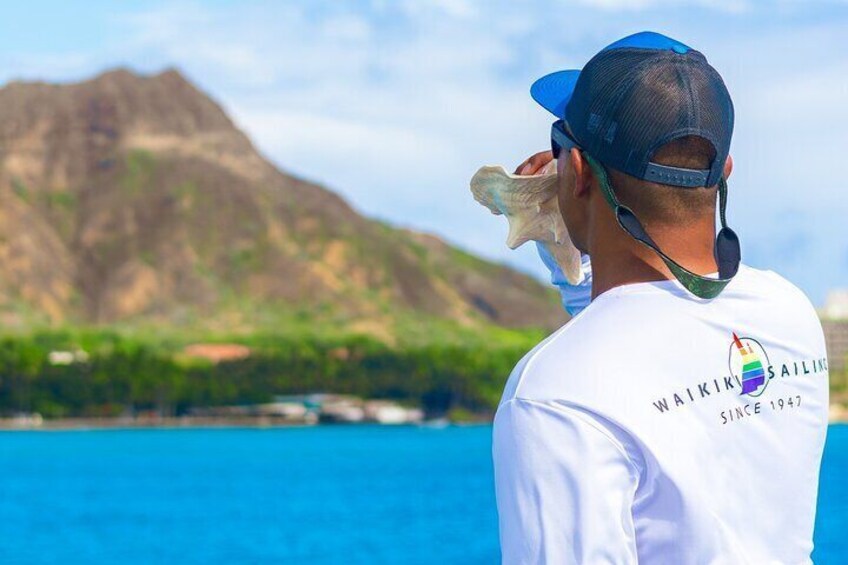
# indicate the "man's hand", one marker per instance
pixel 534 164
pixel 575 297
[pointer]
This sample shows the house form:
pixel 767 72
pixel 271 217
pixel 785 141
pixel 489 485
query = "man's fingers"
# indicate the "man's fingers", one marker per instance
pixel 535 163
pixel 520 169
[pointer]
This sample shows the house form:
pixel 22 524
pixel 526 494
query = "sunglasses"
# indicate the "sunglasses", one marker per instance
pixel 560 139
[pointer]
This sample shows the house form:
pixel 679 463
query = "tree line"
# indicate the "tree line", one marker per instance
pixel 124 376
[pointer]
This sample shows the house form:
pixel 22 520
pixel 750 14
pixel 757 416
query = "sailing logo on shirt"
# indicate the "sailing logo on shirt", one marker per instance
pixel 748 360
pixel 750 370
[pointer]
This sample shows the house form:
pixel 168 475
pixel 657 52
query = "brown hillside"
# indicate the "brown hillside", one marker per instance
pixel 130 198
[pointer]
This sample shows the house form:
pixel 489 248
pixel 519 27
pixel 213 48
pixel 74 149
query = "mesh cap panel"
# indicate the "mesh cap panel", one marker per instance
pixel 628 102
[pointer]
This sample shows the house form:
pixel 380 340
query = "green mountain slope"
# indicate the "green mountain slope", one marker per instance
pixel 134 200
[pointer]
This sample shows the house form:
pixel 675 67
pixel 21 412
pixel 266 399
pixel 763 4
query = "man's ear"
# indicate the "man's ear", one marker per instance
pixel 582 173
pixel 728 167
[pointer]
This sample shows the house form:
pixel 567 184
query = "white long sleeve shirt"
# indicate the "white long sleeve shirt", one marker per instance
pixel 656 427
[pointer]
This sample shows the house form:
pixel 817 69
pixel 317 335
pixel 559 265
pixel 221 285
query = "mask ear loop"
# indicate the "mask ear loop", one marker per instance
pixel 726 251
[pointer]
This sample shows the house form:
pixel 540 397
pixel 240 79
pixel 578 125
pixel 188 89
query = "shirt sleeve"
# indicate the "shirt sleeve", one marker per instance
pixel 564 487
pixel 575 297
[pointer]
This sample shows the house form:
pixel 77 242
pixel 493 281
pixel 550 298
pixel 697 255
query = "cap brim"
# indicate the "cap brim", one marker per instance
pixel 553 91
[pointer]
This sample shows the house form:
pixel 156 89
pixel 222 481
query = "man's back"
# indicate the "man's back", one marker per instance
pixel 660 428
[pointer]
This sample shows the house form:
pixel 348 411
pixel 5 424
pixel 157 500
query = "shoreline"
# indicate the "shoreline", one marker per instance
pixel 194 422
pixel 838 415
pixel 166 423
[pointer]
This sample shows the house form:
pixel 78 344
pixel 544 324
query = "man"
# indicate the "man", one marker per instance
pixel 681 416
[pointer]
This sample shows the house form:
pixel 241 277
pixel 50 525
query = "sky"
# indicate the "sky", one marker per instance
pixel 395 104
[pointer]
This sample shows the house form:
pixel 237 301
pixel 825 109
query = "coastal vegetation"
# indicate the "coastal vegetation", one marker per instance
pixel 109 373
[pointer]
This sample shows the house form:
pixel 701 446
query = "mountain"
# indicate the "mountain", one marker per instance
pixel 135 200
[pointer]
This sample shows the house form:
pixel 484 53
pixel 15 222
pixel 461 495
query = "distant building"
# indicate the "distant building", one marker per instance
pixel 387 412
pixel 318 407
pixel 343 408
pixel 67 357
pixel 217 352
pixel 836 306
pixel 835 322
pixel 294 411
pixel 836 336
pixel 339 408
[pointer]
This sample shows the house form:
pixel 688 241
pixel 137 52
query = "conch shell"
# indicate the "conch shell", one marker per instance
pixel 530 206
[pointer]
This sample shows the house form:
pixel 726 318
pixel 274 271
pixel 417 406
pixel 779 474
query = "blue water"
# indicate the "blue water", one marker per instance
pixel 306 495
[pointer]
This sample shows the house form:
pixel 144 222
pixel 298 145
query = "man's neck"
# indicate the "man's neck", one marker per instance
pixel 622 260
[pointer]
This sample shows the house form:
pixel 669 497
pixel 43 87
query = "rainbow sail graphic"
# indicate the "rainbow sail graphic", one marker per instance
pixel 753 374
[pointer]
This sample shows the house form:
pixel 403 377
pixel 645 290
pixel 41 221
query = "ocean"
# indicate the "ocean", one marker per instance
pixel 328 494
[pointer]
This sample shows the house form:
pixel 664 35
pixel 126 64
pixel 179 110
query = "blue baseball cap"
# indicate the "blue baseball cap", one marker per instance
pixel 636 95
pixel 629 100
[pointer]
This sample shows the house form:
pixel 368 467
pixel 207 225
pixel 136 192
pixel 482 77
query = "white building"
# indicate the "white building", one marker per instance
pixel 836 306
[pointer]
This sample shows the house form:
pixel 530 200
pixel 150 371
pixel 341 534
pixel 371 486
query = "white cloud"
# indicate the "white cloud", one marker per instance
pixel 733 6
pixel 461 9
pixel 395 104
